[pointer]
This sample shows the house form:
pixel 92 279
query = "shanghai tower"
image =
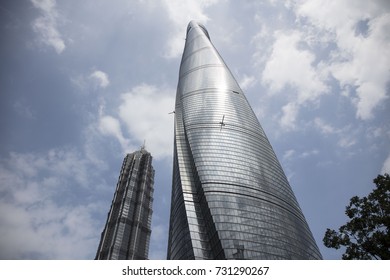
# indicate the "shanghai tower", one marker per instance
pixel 126 234
pixel 230 197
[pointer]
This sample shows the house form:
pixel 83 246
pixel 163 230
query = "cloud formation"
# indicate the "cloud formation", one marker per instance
pixel 361 59
pixel 343 44
pixel 100 78
pixel 386 166
pixel 180 13
pixel 289 65
pixel 111 126
pixel 46 25
pixel 247 82
pixel 145 112
pixel 45 221
pixel 292 68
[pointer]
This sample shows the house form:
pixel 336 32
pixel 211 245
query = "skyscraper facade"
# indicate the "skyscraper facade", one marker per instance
pixel 126 234
pixel 230 196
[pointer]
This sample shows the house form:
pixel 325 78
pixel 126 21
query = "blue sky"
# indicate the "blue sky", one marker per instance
pixel 84 82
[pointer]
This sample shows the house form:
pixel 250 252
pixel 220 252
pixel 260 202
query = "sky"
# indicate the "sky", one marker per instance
pixel 82 83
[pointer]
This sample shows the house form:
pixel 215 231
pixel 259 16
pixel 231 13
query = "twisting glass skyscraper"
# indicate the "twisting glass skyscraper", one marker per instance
pixel 126 234
pixel 230 196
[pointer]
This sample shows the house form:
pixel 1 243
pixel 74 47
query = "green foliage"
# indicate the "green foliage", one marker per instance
pixel 367 234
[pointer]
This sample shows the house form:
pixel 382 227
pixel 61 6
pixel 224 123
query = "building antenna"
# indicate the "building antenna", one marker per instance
pixel 144 145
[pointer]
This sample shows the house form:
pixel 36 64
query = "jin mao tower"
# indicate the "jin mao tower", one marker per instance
pixel 230 197
pixel 126 234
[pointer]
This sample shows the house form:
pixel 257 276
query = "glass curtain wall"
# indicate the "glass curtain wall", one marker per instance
pixel 230 196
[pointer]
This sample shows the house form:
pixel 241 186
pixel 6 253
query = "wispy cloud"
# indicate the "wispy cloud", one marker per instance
pixel 111 126
pixel 143 115
pixel 309 153
pixel 324 127
pixel 46 25
pixel 47 221
pixel 291 66
pixel 347 137
pixel 100 78
pixel 327 43
pixel 288 155
pixel 145 112
pixel 180 14
pixel 361 58
pixel 346 142
pixel 247 82
pixel 292 154
pixel 386 166
pixel 23 109
pixel 289 116
pixel 91 81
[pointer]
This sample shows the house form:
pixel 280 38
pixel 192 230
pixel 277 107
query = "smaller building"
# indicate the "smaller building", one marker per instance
pixel 126 235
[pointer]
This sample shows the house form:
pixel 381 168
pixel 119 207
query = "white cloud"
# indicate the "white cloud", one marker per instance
pixel 46 25
pixel 111 126
pixel 346 142
pixel 47 231
pixel 386 166
pixel 328 41
pixel 288 155
pixel 40 216
pixel 289 116
pixel 374 132
pixel 143 115
pixel 347 137
pixel 92 147
pixel 362 58
pixel 100 78
pixel 144 110
pixel 290 66
pixel 58 162
pixel 181 13
pixel 324 127
pixel 309 153
pixel 47 6
pixel 247 82
pixel 88 83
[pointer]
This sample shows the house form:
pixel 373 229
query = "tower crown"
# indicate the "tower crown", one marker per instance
pixel 195 24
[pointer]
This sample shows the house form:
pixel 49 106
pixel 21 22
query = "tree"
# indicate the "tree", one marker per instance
pixel 367 234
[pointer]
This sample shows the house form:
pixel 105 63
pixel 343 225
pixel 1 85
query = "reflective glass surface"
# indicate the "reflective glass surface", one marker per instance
pixel 230 196
pixel 128 228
